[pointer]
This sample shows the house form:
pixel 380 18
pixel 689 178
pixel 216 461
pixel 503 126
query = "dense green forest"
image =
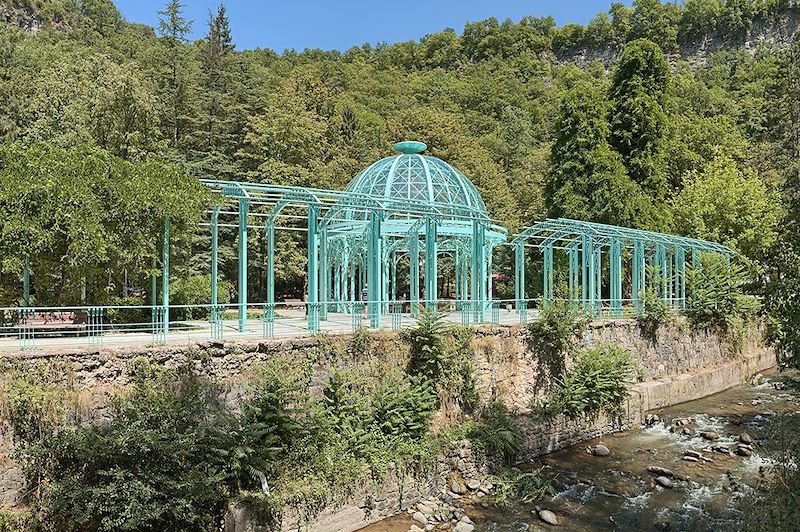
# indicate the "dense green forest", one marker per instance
pixel 105 124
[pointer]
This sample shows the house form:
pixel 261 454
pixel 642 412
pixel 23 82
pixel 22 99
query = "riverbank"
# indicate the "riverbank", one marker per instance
pixel 710 450
pixel 491 365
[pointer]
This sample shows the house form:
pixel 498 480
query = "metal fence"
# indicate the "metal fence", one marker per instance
pixel 80 326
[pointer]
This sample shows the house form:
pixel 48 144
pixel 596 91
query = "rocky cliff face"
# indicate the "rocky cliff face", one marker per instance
pixel 24 16
pixel 777 32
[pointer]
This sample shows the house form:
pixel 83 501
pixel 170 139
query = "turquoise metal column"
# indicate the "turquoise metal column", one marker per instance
pixel 661 261
pixel 244 206
pixel 337 283
pixel 680 276
pixel 312 297
pixel 588 273
pixel 414 274
pixel 519 275
pixel 638 286
pixel 325 274
pixel 615 269
pixel 547 281
pixel 457 277
pixel 464 279
pixel 153 286
pixel 384 279
pixel 573 272
pixel 214 258
pixel 478 275
pixel 431 266
pixel 270 230
pixel 374 268
pixel 598 276
pixel 165 274
pixel 393 279
pixel 26 282
pixel 488 284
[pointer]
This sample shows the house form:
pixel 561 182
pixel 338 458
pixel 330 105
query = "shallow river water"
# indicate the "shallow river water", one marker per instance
pixel 618 492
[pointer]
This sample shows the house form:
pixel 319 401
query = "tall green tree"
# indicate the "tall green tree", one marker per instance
pixel 218 126
pixel 173 29
pixel 638 116
pixel 783 273
pixel 587 179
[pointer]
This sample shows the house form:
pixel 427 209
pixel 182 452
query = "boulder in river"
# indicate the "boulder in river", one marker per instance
pixel 691 452
pixel 690 458
pixel 458 488
pixel 660 471
pixel 474 484
pixel 548 517
pixel 741 450
pixel 709 435
pixel 745 438
pixel 664 482
pixel 600 450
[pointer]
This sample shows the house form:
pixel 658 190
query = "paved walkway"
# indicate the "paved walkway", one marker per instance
pixel 289 323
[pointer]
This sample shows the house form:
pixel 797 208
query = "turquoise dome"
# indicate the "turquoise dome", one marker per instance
pixel 412 175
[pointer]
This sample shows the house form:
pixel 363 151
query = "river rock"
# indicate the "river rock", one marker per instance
pixel 709 435
pixel 651 419
pixel 474 484
pixel 464 527
pixel 686 431
pixel 721 449
pixel 458 488
pixel 414 528
pixel 660 471
pixel 424 508
pixel 420 518
pixel 696 454
pixel 743 451
pixel 600 450
pixel 745 438
pixel 548 517
pixel 664 482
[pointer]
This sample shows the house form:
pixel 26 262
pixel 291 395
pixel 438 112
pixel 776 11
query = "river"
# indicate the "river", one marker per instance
pixel 618 492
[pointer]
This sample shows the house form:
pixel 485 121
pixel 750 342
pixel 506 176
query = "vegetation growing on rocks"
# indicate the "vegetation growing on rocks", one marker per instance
pixel 597 383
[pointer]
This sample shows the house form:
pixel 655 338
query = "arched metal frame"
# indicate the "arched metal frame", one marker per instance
pixel 585 244
pixel 352 242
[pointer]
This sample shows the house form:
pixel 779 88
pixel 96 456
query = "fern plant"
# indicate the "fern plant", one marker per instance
pixel 599 381
pixel 428 350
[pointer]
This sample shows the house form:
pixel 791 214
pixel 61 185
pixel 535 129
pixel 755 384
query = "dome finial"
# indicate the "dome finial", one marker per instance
pixel 410 146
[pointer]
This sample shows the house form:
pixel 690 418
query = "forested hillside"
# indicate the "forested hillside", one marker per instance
pixel 89 102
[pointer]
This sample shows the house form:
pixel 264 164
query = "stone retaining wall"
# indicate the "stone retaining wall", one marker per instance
pixel 679 365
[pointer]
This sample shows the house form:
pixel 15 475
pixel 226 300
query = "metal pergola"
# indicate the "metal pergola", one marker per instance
pixel 360 249
pixel 585 244
pixel 404 211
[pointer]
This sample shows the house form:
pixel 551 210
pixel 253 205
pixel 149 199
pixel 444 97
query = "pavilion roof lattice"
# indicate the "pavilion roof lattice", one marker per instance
pixel 562 233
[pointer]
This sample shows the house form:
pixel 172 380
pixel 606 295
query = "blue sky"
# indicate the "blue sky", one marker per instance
pixel 298 24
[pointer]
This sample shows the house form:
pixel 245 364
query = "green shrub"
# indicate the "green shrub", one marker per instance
pixel 511 485
pixel 495 434
pixel 444 356
pixel 403 406
pixel 558 324
pixel 599 381
pixel 155 466
pixel 715 297
pixel 655 313
pixel 427 340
